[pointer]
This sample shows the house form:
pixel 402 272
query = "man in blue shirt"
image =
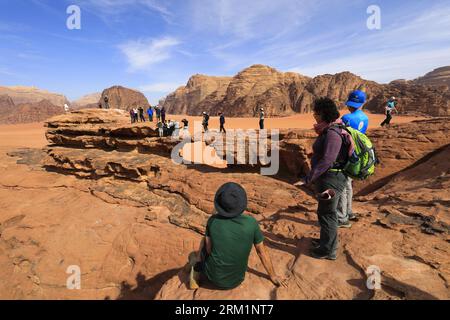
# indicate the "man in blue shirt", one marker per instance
pixel 358 120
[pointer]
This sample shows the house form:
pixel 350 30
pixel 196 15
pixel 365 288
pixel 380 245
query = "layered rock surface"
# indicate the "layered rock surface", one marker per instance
pixel 282 94
pixel 123 98
pixel 21 94
pixel 106 196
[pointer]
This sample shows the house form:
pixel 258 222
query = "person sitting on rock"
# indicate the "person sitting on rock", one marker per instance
pixel 223 256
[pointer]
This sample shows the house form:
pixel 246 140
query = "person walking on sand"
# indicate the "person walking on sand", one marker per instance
pixel 205 122
pixel 357 120
pixel 331 151
pixel 222 123
pixel 150 113
pixel 390 107
pixel 222 260
pixel 261 119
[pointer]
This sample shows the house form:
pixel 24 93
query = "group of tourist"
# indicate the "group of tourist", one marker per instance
pixel 222 258
pixel 137 114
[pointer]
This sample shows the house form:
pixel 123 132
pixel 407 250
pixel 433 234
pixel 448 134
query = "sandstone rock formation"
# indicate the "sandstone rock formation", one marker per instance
pixel 438 77
pixel 88 101
pixel 20 94
pixel 11 113
pixel 107 197
pixel 123 98
pixel 283 94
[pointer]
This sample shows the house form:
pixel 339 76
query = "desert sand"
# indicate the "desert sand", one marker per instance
pixel 33 135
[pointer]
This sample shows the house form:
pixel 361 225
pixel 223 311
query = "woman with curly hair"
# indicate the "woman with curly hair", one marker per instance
pixel 331 152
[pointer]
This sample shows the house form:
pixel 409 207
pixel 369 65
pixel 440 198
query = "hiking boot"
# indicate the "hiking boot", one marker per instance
pixel 319 254
pixel 315 243
pixel 345 225
pixel 353 217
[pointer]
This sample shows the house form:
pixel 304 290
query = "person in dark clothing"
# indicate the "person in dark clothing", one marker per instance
pixel 261 118
pixel 222 259
pixel 141 114
pixel 133 119
pixel 391 107
pixel 106 100
pixel 163 115
pixel 205 122
pixel 331 152
pixel 158 113
pixel 222 123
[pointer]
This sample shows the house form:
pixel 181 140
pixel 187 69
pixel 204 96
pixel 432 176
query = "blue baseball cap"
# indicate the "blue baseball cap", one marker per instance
pixel 356 99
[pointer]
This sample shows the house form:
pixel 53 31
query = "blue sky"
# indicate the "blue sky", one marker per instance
pixel 155 46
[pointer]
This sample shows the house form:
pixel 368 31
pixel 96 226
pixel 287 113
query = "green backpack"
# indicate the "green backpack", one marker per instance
pixel 361 165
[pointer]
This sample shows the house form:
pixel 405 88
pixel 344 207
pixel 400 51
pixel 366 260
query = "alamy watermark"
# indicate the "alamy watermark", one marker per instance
pixel 373 278
pixel 73 22
pixel 236 147
pixel 374 20
pixel 74 280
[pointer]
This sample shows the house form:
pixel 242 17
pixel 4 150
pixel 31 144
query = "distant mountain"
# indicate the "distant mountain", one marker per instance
pixel 28 112
pixel 20 94
pixel 287 93
pixel 437 77
pixel 87 101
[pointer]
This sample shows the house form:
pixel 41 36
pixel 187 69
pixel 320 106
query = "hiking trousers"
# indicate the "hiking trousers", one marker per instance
pixel 388 119
pixel 327 210
pixel 261 124
pixel 344 206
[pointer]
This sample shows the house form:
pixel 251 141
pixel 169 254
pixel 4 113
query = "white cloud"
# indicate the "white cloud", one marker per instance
pixel 162 87
pixel 116 7
pixel 142 54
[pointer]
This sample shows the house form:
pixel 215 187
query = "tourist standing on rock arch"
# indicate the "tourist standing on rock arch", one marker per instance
pixel 222 259
pixel 106 100
pixel 331 151
pixel 158 113
pixel 357 120
pixel 163 115
pixel 150 113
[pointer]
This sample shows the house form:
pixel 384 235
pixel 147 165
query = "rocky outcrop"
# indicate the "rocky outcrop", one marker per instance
pixel 200 89
pixel 27 112
pixel 282 94
pixel 88 101
pixel 27 95
pixel 438 78
pixel 123 98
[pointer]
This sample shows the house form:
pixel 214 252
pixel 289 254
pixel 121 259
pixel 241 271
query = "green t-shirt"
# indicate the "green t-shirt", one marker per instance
pixel 232 241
